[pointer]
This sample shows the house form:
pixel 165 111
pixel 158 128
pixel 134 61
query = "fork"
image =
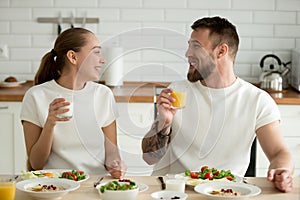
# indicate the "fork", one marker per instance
pixel 98 181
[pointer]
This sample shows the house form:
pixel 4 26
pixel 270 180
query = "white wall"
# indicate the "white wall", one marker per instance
pixel 155 54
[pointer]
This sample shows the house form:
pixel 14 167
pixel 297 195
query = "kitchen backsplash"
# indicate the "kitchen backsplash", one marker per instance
pixel 152 33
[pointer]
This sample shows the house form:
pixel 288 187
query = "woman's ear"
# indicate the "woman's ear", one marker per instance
pixel 71 55
pixel 222 50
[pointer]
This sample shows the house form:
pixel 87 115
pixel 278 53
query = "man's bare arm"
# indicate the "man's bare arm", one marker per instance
pixel 155 143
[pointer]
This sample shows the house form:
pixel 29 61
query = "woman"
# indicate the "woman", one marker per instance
pixel 52 141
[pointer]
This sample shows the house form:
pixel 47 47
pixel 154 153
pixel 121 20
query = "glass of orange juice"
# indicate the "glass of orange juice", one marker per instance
pixel 7 188
pixel 179 94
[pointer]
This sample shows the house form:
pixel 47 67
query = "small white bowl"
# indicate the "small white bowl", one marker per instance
pixel 168 195
pixel 117 194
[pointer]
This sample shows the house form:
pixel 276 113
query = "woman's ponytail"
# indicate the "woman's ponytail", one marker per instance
pixel 48 69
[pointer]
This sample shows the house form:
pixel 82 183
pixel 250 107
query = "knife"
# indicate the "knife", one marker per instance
pixel 84 20
pixel 59 21
pixel 72 20
pixel 163 184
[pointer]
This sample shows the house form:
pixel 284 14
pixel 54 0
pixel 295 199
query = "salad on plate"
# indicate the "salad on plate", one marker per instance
pixel 206 174
pixel 75 175
pixel 122 184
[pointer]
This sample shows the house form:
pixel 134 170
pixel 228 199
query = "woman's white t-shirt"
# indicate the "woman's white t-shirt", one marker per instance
pixel 78 143
pixel 217 128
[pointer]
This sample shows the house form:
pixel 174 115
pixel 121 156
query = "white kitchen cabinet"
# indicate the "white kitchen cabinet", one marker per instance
pixel 135 119
pixel 290 127
pixel 12 149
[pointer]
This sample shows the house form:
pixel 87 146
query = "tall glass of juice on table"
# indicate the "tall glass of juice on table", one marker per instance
pixel 7 189
pixel 179 94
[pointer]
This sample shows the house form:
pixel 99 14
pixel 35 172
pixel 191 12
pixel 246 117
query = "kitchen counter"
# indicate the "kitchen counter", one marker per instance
pixel 140 92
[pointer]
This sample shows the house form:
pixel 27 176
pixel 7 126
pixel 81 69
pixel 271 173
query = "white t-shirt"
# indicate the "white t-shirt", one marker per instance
pixel 217 128
pixel 78 143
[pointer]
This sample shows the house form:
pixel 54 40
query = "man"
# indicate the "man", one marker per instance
pixel 222 117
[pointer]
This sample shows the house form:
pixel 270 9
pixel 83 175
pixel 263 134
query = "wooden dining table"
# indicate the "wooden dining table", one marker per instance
pixel 87 191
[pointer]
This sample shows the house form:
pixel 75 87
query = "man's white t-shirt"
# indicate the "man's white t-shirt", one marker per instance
pixel 217 128
pixel 78 143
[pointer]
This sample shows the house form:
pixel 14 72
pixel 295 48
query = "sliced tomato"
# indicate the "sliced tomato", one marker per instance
pixel 229 178
pixel 217 173
pixel 194 175
pixel 74 177
pixel 66 174
pixel 209 175
pixel 80 172
pixel 203 168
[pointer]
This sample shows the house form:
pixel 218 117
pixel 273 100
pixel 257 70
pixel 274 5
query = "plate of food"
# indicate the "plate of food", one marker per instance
pixel 74 175
pixel 207 174
pixel 47 188
pixel 227 190
pixel 11 84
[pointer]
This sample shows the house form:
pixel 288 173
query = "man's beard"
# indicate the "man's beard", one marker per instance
pixel 195 75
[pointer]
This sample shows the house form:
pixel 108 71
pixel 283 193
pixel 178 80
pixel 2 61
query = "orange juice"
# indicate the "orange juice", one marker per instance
pixel 7 190
pixel 180 98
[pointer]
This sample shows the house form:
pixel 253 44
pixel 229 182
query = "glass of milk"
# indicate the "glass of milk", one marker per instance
pixel 68 114
pixel 175 185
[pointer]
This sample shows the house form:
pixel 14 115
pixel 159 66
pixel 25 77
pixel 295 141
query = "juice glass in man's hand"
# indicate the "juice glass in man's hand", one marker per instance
pixel 179 94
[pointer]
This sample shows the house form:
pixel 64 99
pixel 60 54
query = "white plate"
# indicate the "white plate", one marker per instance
pixel 67 184
pixel 193 182
pixel 168 195
pixel 142 187
pixel 11 84
pixel 246 190
pixel 58 172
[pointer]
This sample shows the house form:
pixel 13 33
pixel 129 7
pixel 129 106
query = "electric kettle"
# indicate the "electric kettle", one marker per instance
pixel 274 79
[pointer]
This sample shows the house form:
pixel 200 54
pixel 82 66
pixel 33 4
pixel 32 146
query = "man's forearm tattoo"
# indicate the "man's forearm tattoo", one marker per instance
pixel 155 142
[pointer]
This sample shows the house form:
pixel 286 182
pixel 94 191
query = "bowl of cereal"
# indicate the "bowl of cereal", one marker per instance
pixel 118 189
pixel 46 188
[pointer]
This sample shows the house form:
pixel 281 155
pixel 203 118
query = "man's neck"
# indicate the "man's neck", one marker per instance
pixel 219 80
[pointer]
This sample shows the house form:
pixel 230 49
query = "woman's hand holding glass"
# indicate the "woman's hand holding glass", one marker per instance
pixel 56 108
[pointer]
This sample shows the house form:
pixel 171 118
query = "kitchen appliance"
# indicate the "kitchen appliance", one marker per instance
pixel 295 71
pixel 113 69
pixel 275 78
